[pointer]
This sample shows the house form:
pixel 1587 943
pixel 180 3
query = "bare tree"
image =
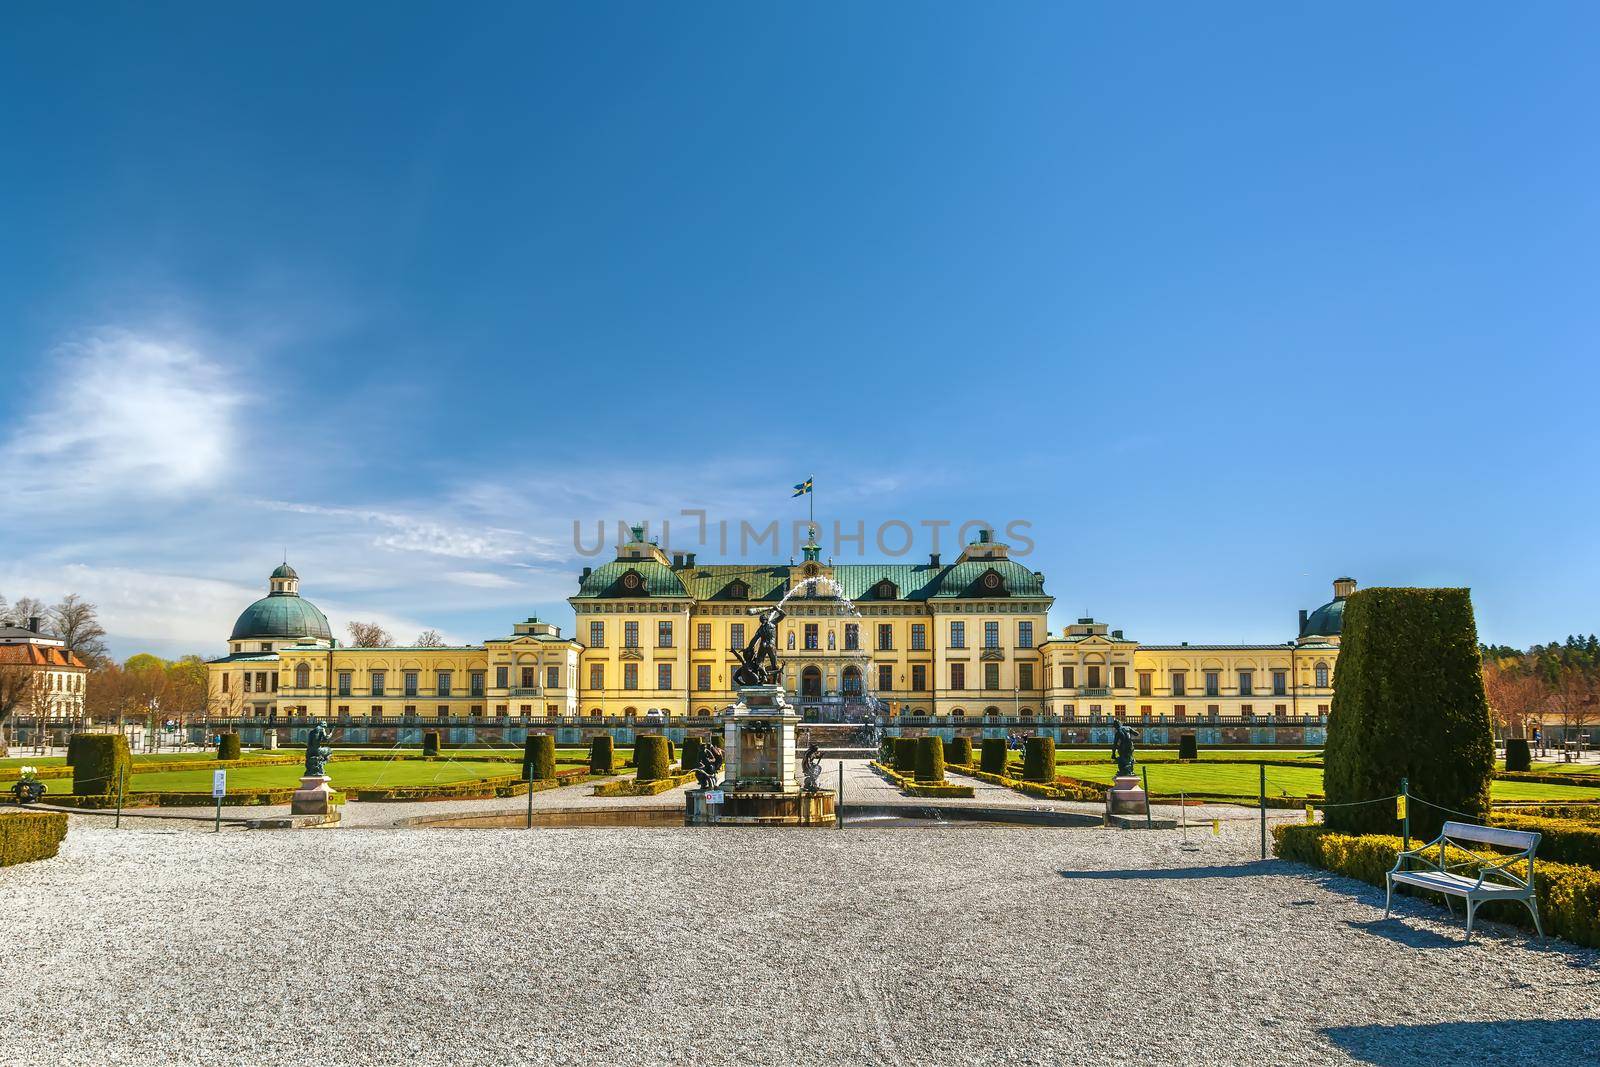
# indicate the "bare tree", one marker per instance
pixel 29 607
pixel 15 682
pixel 430 639
pixel 1514 695
pixel 370 635
pixel 77 623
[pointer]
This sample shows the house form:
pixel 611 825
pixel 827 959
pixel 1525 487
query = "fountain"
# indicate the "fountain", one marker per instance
pixel 761 785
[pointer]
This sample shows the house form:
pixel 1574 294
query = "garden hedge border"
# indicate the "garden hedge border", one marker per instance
pixel 26 836
pixel 911 787
pixel 628 787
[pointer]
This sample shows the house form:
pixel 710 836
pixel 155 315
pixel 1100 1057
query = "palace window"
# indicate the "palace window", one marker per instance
pixel 811 635
pixel 302 677
pixel 378 678
pixel 1246 683
pixel 630 676
pixel 850 682
pixel 443 712
pixel 1024 676
pixel 991 633
pixel 1069 677
pixel 1119 677
pixel 1322 711
pixel 376 711
pixel 1280 683
pixel 1094 676
pixel 411 683
pixel 919 637
pixel 702 635
pixel 502 677
pixel 885 677
pixel 991 676
pixel 247 683
pixel 597 635
pixel 527 677
pixel 702 677
pixel 1025 634
pixel 885 636
pixel 444 683
pixel 1247 710
pixel 344 683
pixel 1213 683
pixel 552 677
pixel 597 676
pixel 958 676
pixel 1322 676
pixel 958 635
pixel 1144 683
pixel 410 709
pixel 736 635
pixel 344 712
pixel 224 682
pixel 630 634
pixel 664 633
pixel 919 677
pixel 475 683
pixel 852 636
pixel 1177 683
pixel 663 676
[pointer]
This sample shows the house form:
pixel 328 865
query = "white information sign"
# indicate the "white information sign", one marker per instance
pixel 219 783
pixel 713 796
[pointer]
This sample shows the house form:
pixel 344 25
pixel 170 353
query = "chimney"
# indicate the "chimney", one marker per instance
pixel 933 559
pixel 33 623
pixel 688 559
pixel 677 561
pixel 1116 634
pixel 1302 621
pixel 586 572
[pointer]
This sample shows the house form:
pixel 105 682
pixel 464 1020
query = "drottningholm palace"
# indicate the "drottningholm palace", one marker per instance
pixel 954 647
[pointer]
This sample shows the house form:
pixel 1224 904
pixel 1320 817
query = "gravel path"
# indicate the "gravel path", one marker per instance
pixel 952 945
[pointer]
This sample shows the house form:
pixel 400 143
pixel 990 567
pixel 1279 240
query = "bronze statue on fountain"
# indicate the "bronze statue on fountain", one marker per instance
pixel 758 660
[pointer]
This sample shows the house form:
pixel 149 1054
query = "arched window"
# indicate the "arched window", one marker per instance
pixel 594 713
pixel 810 683
pixel 628 713
pixel 992 712
pixel 1027 713
pixel 1322 676
pixel 957 713
pixel 852 681
pixel 703 712
pixel 302 676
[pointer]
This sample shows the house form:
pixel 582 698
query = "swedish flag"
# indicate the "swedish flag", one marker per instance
pixel 802 488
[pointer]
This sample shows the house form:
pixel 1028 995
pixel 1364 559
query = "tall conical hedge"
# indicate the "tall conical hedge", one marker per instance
pixel 539 757
pixel 228 747
pixel 1039 759
pixel 958 750
pixel 693 749
pixel 905 755
pixel 930 759
pixel 994 754
pixel 103 764
pixel 1408 702
pixel 602 755
pixel 650 757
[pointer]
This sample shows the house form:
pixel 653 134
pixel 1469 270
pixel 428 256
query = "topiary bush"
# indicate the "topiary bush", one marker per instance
pixel 1518 758
pixel 958 750
pixel 1188 747
pixel 228 747
pixel 651 758
pixel 430 743
pixel 693 749
pixel 994 756
pixel 103 763
pixel 73 750
pixel 539 758
pixel 905 755
pixel 672 751
pixel 602 755
pixel 31 835
pixel 1409 703
pixel 1039 760
pixel 930 759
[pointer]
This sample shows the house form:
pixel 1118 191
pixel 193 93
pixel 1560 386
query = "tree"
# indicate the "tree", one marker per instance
pixel 369 635
pixel 15 683
pixel 77 623
pixel 430 639
pixel 29 607
pixel 1410 704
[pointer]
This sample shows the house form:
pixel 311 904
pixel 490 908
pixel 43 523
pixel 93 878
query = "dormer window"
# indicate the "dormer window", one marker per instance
pixel 632 582
pixel 992 583
pixel 886 590
pixel 737 590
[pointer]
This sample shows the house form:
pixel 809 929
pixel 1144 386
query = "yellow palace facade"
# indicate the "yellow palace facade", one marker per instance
pixel 950 644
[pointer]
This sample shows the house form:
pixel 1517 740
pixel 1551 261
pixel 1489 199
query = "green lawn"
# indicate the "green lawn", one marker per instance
pixel 357 774
pixel 1168 755
pixel 1241 780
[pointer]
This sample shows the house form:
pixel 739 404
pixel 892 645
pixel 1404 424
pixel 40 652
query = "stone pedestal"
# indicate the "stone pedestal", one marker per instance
pixel 314 797
pixel 1127 796
pixel 269 738
pixel 761 770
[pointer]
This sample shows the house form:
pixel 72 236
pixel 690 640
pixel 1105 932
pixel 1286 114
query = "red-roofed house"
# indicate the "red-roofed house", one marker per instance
pixel 39 677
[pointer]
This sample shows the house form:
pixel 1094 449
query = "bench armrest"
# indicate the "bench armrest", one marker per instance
pixel 1415 853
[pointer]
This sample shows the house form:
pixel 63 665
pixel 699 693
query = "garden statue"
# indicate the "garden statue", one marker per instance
pixel 759 659
pixel 317 750
pixel 811 767
pixel 1122 747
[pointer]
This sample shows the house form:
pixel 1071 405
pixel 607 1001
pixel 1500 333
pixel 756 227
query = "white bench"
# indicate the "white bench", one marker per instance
pixel 1487 880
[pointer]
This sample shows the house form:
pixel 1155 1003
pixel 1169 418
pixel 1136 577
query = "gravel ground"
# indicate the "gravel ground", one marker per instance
pixel 953 945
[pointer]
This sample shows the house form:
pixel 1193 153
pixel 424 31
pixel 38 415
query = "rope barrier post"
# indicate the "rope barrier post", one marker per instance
pixel 122 786
pixel 1405 813
pixel 838 801
pixel 1146 771
pixel 530 803
pixel 1263 768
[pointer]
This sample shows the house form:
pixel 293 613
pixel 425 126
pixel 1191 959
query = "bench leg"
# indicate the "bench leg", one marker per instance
pixel 1533 906
pixel 1450 904
pixel 1472 907
pixel 1388 895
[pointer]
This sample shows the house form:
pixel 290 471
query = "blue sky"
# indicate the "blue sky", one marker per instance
pixel 1223 300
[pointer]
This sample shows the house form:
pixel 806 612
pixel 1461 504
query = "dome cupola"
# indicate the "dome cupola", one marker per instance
pixel 1328 620
pixel 283 614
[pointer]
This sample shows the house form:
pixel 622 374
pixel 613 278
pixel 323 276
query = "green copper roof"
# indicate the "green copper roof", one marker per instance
pixel 281 615
pixel 655 579
pixel 284 571
pixel 1326 621
pixel 768 582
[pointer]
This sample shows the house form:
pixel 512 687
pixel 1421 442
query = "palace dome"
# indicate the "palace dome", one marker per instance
pixel 282 614
pixel 1328 620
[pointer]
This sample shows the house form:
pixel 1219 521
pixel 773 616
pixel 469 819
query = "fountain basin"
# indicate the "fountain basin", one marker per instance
pixel 713 807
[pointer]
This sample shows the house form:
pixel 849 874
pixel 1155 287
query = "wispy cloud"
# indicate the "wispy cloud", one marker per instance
pixel 122 414
pixel 405 532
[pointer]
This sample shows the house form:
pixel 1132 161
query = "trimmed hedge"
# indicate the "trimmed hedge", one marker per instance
pixel 602 755
pixel 1188 746
pixel 694 749
pixel 994 755
pixel 1409 704
pixel 74 748
pixel 958 750
pixel 672 751
pixel 651 757
pixel 1588 814
pixel 930 759
pixel 905 755
pixel 539 757
pixel 228 747
pixel 1039 760
pixel 1568 895
pixel 1564 840
pixel 31 835
pixel 103 762
pixel 430 743
pixel 911 787
pixel 1518 756
pixel 634 788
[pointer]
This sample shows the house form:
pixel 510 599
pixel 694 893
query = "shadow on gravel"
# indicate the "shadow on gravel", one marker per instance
pixel 1504 1041
pixel 1402 932
pixel 1237 870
